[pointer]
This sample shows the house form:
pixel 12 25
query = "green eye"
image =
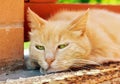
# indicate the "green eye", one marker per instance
pixel 62 46
pixel 40 47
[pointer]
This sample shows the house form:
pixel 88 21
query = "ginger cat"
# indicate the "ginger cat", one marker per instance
pixel 74 38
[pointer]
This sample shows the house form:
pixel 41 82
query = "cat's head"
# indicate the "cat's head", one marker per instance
pixel 58 45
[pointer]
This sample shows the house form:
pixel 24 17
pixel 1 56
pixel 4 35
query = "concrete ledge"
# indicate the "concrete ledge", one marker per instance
pixel 104 74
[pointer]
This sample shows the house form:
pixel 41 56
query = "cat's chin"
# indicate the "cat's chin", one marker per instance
pixel 53 70
pixel 50 70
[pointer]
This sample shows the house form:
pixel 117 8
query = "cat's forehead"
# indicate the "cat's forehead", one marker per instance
pixel 52 33
pixel 54 28
pixel 56 25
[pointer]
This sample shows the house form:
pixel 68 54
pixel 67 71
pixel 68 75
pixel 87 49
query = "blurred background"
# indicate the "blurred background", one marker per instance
pixel 105 2
pixel 102 2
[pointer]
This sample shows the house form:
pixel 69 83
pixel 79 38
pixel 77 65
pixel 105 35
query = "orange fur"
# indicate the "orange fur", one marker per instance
pixel 92 38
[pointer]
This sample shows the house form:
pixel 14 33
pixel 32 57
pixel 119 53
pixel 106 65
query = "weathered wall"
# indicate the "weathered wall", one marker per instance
pixel 11 33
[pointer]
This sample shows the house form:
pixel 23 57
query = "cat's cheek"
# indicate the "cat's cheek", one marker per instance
pixel 55 66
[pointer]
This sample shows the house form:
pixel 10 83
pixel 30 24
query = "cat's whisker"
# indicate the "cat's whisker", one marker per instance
pixel 84 61
pixel 70 70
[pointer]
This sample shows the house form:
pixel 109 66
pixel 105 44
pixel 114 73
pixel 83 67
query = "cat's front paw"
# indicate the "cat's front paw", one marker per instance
pixel 31 65
pixel 42 71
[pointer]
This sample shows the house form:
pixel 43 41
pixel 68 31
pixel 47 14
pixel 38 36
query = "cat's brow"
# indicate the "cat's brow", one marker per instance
pixel 51 36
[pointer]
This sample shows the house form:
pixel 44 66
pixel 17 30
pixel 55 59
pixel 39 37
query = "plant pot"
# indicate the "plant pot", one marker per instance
pixel 43 1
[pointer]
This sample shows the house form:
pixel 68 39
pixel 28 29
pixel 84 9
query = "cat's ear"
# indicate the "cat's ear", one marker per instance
pixel 78 26
pixel 35 20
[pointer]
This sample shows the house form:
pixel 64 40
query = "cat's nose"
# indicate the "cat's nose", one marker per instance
pixel 49 60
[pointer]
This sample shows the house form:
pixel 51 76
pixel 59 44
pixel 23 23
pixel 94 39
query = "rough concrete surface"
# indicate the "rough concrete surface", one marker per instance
pixel 20 73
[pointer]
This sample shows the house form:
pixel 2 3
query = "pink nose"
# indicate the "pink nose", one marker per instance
pixel 49 60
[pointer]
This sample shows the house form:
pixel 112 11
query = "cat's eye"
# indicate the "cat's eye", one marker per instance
pixel 40 47
pixel 62 46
